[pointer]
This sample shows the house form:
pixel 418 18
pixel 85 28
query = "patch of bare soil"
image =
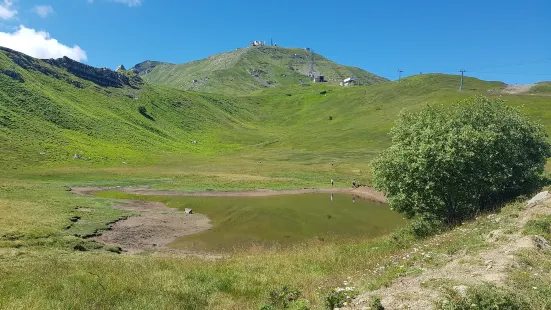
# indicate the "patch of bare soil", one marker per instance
pixel 517 89
pixel 154 228
pixel 486 266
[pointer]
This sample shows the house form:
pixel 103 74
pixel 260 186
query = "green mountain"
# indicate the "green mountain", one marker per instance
pixel 250 69
pixel 54 110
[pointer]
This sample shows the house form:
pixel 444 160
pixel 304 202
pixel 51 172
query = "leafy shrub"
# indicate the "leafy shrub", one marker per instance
pixel 454 161
pixel 286 298
pixel 425 225
pixel 339 296
pixel 483 297
pixel 142 110
pixel 375 303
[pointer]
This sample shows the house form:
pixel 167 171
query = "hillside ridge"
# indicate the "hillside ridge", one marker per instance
pixel 250 69
pixel 100 76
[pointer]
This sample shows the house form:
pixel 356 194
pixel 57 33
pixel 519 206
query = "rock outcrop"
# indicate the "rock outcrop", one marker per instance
pixel 121 68
pixel 14 75
pixel 541 243
pixel 100 76
pixel 539 197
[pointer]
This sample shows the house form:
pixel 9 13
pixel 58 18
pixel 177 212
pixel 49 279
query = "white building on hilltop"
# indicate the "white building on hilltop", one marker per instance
pixel 351 81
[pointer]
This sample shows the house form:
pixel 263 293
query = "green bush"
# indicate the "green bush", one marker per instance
pixel 425 225
pixel 375 303
pixel 483 297
pixel 339 296
pixel 454 161
pixel 286 298
pixel 142 110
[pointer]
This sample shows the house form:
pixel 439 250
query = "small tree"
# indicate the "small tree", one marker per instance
pixel 451 162
pixel 142 110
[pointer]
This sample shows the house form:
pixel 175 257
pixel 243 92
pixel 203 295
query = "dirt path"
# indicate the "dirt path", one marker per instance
pixel 486 266
pixel 517 89
pixel 157 225
pixel 361 192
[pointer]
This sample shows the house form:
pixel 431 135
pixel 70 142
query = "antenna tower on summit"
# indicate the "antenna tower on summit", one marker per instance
pixel 312 72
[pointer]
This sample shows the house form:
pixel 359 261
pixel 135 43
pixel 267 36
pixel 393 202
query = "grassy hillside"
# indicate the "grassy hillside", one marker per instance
pixel 45 114
pixel 45 120
pixel 247 70
pixel 541 88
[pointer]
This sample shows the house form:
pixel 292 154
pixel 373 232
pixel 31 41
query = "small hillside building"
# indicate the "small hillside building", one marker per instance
pixel 351 81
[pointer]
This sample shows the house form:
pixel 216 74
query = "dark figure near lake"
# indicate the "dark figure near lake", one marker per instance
pixel 354 183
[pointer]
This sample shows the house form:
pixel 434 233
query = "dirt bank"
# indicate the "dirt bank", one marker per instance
pixel 487 266
pixel 361 192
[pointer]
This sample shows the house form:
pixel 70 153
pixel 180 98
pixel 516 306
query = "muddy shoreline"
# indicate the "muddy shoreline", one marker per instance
pixel 364 192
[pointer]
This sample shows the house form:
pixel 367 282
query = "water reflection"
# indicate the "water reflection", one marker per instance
pixel 354 197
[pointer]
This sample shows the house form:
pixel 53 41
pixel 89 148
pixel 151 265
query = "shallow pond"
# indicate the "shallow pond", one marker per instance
pixel 283 219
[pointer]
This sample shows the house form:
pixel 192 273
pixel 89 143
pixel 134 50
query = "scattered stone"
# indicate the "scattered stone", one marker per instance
pixel 461 290
pixel 75 84
pixel 42 153
pixel 77 156
pixel 539 197
pixel 489 267
pixel 124 163
pixel 541 243
pixel 188 211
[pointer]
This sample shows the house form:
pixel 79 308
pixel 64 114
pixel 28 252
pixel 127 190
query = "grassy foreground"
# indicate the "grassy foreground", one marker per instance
pixel 40 268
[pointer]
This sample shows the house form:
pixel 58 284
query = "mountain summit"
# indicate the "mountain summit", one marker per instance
pixel 250 69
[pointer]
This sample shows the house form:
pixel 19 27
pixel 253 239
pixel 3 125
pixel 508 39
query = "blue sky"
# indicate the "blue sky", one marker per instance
pixel 494 40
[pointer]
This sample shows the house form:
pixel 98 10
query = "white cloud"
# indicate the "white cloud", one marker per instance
pixel 6 10
pixel 130 3
pixel 39 44
pixel 90 1
pixel 43 10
